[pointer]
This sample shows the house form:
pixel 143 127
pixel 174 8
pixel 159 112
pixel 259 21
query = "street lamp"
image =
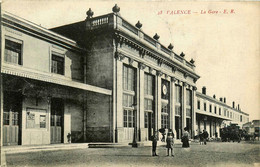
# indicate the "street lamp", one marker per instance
pixel 134 143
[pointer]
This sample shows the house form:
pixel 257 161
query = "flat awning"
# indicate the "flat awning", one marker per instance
pixel 212 115
pixel 51 78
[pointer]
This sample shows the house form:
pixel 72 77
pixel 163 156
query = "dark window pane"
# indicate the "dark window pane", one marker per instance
pixel 13 52
pixel 57 65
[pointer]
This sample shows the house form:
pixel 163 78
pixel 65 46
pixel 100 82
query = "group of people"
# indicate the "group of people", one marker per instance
pixel 170 142
pixel 203 137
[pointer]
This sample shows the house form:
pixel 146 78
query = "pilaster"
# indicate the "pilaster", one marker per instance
pixel 141 101
pixel 119 94
pixel 158 99
pixel 138 104
pixel 141 94
pixel 172 104
pixel 193 113
pixel 184 105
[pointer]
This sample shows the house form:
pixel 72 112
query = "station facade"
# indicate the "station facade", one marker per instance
pixel 98 80
pixel 213 114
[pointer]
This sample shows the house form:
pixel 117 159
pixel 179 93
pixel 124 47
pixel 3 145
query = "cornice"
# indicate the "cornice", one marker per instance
pixel 14 22
pixel 143 48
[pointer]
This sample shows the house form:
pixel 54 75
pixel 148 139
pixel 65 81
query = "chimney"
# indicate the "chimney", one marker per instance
pixel 220 99
pixel 224 100
pixel 214 96
pixel 233 104
pixel 204 90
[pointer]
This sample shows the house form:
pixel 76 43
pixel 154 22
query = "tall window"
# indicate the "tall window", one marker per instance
pixel 57 64
pixel 129 78
pixel 188 103
pixel 148 99
pixel 205 107
pixel 241 118
pixel 146 119
pixel 210 108
pixel 129 118
pixel 215 110
pixel 164 116
pixel 219 111
pixel 13 52
pixel 148 104
pixel 178 100
pixel 128 96
pixel 128 100
pixel 148 84
pixel 225 112
pixel 198 105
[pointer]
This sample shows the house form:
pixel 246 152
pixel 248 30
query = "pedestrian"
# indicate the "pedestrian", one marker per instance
pixel 154 139
pixel 162 131
pixel 185 138
pixel 201 138
pixel 205 136
pixel 170 142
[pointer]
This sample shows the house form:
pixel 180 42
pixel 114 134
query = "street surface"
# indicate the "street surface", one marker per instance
pixel 215 154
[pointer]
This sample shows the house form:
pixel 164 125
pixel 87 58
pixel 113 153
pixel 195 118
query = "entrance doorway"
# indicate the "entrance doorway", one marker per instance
pixel 12 118
pixel 149 124
pixel 178 127
pixel 57 123
pixel 189 126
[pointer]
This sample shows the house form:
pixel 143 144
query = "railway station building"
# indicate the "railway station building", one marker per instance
pixel 98 80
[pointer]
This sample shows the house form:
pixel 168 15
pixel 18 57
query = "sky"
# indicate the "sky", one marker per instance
pixel 222 37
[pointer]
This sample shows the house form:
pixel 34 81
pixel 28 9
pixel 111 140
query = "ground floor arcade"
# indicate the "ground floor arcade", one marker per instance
pixel 37 112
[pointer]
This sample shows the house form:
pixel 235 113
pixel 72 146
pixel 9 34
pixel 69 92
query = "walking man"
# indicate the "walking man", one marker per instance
pixel 205 136
pixel 154 139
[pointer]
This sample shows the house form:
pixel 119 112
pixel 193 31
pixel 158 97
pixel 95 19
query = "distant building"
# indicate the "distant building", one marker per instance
pixel 213 114
pixel 100 80
pixel 252 127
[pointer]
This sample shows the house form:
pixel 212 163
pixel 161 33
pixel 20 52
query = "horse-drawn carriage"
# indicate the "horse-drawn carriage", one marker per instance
pixel 232 133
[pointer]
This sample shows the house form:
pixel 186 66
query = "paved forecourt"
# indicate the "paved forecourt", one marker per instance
pixel 212 154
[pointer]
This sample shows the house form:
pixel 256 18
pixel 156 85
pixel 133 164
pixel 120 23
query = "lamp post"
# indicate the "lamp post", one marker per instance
pixel 134 143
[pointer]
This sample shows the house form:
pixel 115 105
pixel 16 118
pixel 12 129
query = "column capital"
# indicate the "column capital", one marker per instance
pixel 184 84
pixel 173 79
pixel 142 66
pixel 174 69
pixel 160 61
pixel 142 52
pixel 150 70
pixel 159 73
pixel 130 60
pixel 185 75
pixel 119 56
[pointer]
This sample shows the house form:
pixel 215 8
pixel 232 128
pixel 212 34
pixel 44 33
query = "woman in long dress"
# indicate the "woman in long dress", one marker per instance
pixel 185 138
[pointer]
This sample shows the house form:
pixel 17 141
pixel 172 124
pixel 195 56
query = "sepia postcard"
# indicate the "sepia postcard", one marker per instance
pixel 130 83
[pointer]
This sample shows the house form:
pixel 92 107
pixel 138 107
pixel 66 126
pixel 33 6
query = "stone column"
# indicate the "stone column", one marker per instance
pixel 172 104
pixel 193 113
pixel 159 94
pixel 119 96
pixel 141 101
pixel 138 133
pixel 184 105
